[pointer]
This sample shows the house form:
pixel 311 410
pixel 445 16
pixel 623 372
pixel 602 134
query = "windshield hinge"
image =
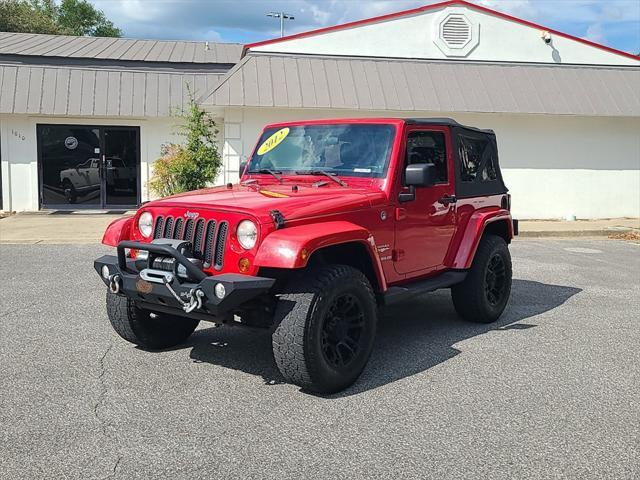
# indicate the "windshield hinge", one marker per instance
pixel 278 218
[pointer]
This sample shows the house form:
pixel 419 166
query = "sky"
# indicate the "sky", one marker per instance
pixel 615 23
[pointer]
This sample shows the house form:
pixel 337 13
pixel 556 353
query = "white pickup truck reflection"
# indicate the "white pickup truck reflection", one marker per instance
pixel 86 177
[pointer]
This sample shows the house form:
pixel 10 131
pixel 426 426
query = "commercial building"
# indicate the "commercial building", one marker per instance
pixel 82 119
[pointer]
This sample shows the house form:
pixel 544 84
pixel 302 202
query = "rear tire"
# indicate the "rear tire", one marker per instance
pixel 144 328
pixel 484 293
pixel 325 328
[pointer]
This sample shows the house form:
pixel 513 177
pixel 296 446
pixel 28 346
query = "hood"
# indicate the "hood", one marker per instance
pixel 259 200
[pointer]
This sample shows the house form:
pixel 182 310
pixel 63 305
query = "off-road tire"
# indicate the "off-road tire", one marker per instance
pixel 470 298
pixel 69 191
pixel 147 330
pixel 299 332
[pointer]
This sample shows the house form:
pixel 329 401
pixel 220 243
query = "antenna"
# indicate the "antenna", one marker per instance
pixel 282 16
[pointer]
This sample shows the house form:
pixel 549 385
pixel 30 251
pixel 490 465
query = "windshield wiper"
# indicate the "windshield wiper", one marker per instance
pixel 270 172
pixel 330 175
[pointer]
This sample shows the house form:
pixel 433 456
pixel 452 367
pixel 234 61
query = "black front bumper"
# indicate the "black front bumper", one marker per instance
pixel 155 295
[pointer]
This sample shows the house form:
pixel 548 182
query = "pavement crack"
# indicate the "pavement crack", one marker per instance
pixel 103 392
pixel 115 467
pixel 108 428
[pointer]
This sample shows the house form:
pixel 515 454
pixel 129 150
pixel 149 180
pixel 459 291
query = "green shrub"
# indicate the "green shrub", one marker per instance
pixel 194 165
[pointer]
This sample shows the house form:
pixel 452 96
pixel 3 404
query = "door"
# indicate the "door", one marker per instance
pixel 426 224
pixel 88 167
pixel 121 154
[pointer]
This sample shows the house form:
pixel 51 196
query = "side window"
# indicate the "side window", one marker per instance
pixel 428 147
pixel 477 160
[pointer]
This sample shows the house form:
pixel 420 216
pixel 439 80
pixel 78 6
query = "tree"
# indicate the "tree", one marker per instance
pixel 22 16
pixel 70 17
pixel 79 17
pixel 194 165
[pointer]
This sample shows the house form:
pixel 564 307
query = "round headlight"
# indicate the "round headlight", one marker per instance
pixel 145 224
pixel 247 233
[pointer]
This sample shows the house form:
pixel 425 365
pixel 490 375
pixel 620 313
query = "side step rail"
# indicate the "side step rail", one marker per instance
pixel 403 292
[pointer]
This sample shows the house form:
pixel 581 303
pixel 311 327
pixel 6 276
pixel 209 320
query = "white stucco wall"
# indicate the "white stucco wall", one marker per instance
pixel 19 152
pixel 412 36
pixel 553 165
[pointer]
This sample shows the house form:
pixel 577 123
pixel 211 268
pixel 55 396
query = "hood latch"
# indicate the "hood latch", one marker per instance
pixel 278 218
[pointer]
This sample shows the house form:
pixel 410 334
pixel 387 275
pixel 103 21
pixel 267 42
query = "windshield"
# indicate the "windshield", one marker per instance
pixel 357 150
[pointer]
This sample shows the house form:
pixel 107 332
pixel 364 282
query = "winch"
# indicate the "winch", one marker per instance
pixel 145 259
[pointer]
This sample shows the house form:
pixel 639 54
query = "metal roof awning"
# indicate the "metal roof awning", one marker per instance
pixel 309 81
pixel 168 51
pixel 53 90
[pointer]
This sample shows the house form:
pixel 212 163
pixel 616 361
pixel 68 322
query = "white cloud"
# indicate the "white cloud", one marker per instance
pixel 204 19
pixel 595 33
pixel 519 8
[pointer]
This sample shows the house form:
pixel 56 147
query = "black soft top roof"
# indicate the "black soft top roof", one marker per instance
pixel 450 122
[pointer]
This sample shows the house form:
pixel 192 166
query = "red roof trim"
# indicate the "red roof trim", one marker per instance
pixel 353 24
pixel 434 6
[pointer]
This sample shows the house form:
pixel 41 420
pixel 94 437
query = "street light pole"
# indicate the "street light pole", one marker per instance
pixel 282 16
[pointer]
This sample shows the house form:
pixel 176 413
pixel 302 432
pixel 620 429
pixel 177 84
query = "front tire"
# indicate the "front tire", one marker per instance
pixel 325 328
pixel 484 293
pixel 146 329
pixel 69 191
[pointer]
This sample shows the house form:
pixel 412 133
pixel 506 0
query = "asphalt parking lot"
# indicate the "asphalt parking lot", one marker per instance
pixel 550 391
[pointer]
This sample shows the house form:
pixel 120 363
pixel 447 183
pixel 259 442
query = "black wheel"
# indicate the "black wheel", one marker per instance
pixel 325 325
pixel 144 328
pixel 484 293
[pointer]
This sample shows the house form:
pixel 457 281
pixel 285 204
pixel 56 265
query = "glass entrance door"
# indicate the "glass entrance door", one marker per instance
pixel 121 153
pixel 69 165
pixel 88 167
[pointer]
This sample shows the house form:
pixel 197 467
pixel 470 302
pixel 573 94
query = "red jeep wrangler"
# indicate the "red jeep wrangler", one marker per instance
pixel 331 220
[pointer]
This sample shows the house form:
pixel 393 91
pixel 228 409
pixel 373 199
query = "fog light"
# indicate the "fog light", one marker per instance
pixel 105 272
pixel 220 291
pixel 143 255
pixel 244 264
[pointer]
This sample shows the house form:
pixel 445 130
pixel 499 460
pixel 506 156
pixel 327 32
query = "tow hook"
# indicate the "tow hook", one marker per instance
pixel 195 296
pixel 195 301
pixel 114 283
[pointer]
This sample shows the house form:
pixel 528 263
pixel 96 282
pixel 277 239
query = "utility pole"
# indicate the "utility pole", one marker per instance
pixel 282 16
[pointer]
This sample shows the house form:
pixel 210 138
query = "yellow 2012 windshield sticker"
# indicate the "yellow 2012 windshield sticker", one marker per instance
pixel 273 141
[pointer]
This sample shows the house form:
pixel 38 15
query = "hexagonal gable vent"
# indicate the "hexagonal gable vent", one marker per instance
pixel 456 34
pixel 455 31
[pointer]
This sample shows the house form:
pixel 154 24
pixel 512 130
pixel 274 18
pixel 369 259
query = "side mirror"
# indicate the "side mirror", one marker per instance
pixel 417 175
pixel 420 175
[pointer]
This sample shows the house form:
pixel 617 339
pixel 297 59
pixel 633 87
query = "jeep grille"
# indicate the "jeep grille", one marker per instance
pixel 208 241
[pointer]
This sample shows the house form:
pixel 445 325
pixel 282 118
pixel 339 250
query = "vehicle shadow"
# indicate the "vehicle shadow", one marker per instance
pixel 412 337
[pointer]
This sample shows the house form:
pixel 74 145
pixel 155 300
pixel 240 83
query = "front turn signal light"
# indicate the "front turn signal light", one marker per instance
pixel 244 264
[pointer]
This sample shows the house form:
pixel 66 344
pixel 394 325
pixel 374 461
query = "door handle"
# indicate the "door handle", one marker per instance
pixel 448 199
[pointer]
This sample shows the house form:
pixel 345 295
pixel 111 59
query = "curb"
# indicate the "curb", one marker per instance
pixel 52 241
pixel 574 233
